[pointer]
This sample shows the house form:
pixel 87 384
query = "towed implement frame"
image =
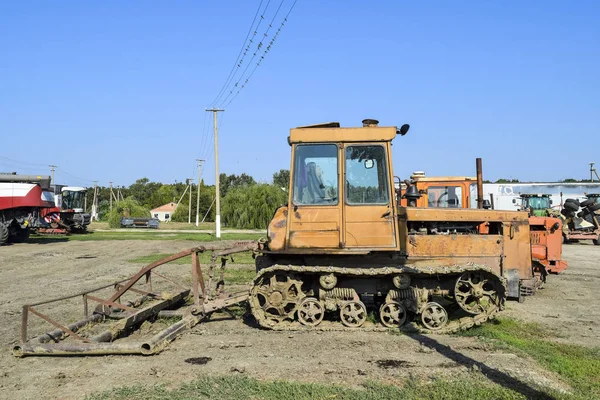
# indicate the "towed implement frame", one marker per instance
pixel 145 296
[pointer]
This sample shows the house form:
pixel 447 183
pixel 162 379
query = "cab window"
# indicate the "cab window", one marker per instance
pixel 315 175
pixel 366 176
pixel 444 196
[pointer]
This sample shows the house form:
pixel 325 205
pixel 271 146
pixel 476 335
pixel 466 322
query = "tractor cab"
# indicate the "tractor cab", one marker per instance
pixel 73 198
pixel 537 204
pixel 443 191
pixel 341 190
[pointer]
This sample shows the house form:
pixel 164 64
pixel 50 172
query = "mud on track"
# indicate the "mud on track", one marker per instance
pixel 30 272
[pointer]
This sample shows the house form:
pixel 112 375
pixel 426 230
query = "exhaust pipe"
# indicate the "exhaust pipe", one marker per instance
pixel 479 183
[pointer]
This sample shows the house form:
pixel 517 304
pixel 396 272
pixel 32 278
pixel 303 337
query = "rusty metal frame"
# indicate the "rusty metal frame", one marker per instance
pixel 130 315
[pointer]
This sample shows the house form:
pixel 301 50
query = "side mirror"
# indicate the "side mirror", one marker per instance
pixel 403 129
pixel 369 164
pixel 550 201
pixel 514 201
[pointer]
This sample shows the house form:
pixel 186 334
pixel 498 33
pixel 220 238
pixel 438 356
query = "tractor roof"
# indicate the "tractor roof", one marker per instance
pixel 534 195
pixel 331 132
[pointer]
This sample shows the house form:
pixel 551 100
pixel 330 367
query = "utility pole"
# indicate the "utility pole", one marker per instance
pixel 52 167
pixel 95 202
pixel 217 193
pixel 111 195
pixel 190 180
pixel 200 162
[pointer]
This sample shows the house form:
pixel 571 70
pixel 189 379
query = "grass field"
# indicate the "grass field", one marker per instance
pixel 577 366
pixel 138 235
pixel 240 387
pixel 163 225
pixel 239 258
pixel 233 274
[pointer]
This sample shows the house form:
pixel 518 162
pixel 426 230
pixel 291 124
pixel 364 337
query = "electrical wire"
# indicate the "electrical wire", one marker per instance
pixel 16 162
pixel 256 51
pixel 205 146
pixel 239 61
pixel 259 46
pixel 65 173
pixel 246 50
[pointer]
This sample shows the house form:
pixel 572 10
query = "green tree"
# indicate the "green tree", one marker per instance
pixel 129 207
pixel 282 178
pixel 251 207
pixel 502 180
pixel 163 195
pixel 143 189
pixel 228 182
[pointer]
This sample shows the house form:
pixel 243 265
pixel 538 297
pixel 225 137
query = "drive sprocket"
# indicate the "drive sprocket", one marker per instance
pixel 276 298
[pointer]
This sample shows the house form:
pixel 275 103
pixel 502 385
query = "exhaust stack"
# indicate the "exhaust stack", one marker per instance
pixel 479 183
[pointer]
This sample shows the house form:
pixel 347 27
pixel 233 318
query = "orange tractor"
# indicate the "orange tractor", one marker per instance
pixel 456 192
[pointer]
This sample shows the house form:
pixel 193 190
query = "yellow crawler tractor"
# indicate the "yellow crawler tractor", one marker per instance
pixel 343 250
pixel 342 254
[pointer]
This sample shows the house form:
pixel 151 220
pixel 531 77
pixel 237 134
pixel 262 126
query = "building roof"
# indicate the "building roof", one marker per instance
pixel 169 207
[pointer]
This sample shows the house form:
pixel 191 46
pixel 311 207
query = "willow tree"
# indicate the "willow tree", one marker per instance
pixel 251 207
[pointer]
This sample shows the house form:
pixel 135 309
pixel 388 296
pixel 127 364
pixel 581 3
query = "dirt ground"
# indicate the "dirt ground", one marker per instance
pixel 31 272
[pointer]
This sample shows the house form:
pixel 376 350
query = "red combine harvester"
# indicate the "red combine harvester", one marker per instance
pixel 22 199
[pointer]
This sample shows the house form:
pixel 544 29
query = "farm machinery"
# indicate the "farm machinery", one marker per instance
pixel 545 226
pixel 68 215
pixel 342 248
pixel 581 219
pixel 22 203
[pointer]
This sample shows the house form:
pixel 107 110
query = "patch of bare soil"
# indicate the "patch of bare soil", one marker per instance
pixel 30 272
pixel 568 304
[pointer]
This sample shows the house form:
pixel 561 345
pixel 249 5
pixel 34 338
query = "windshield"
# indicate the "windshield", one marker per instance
pixel 366 177
pixel 72 200
pixel 537 203
pixel 444 196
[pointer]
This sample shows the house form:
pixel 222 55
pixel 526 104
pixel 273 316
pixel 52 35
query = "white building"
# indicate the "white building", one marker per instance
pixel 504 193
pixel 165 212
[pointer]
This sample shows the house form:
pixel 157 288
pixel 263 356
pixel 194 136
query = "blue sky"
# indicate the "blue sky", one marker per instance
pixel 115 91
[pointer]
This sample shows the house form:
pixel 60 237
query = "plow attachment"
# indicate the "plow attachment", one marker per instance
pixel 114 323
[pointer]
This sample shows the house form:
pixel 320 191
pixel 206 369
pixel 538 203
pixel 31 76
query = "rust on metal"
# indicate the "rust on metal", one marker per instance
pixel 130 314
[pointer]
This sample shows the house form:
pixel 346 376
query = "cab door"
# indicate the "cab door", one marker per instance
pixel 314 216
pixel 368 211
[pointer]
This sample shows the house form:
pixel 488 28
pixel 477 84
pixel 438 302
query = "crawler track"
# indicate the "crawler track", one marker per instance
pixel 283 313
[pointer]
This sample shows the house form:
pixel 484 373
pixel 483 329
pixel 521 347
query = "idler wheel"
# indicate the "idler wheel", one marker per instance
pixel 392 314
pixel 311 312
pixel 353 314
pixel 476 292
pixel 434 316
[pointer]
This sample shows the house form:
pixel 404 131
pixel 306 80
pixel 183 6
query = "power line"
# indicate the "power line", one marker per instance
pixel 63 172
pixel 22 162
pixel 259 46
pixel 239 61
pixel 267 49
pixel 206 139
